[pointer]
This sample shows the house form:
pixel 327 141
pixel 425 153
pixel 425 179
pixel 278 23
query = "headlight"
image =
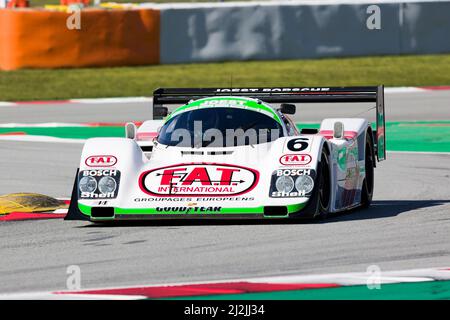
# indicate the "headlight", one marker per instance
pixel 304 184
pixel 284 184
pixel 87 184
pixel 107 185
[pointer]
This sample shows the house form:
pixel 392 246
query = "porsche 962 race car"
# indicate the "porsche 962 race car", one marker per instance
pixel 230 153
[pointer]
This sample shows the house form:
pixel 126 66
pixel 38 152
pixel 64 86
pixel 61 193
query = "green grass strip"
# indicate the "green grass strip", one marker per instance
pixel 42 84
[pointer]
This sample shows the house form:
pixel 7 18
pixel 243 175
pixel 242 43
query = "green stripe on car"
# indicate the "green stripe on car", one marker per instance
pixel 245 102
pixel 251 210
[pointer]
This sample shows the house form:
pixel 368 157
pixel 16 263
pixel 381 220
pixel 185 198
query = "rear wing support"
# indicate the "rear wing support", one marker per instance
pixel 381 125
pixel 375 94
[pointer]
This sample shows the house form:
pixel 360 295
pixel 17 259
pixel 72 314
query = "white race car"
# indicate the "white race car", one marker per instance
pixel 228 153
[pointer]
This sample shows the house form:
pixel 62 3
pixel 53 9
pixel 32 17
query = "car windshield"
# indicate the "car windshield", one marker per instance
pixel 219 127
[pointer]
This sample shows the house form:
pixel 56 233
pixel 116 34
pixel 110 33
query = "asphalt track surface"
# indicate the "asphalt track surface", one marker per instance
pixel 407 227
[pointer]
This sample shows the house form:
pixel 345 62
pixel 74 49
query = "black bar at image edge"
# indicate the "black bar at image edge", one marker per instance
pixel 221 309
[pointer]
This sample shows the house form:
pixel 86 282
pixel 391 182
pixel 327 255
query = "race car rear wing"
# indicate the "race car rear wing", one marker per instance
pixel 168 96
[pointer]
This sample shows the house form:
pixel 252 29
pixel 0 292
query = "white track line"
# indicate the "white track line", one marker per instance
pixel 43 125
pixel 32 138
pixel 387 90
pixel 7 104
pixel 404 90
pixel 111 100
pixel 52 296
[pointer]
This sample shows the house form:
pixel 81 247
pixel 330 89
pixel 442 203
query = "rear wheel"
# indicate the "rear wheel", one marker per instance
pixel 367 189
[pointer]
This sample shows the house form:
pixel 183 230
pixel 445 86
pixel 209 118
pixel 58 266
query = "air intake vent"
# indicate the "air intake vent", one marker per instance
pixel 102 212
pixel 275 211
pixel 192 153
pixel 219 153
pixel 147 148
pixel 309 131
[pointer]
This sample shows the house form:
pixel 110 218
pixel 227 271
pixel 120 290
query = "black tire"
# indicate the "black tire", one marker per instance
pixel 368 183
pixel 324 187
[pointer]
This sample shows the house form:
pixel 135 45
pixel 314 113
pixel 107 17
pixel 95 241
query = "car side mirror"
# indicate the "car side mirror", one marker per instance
pixel 130 130
pixel 338 130
pixel 287 108
pixel 160 112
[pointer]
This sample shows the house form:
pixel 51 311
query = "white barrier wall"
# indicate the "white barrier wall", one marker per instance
pixel 295 30
pixel 426 27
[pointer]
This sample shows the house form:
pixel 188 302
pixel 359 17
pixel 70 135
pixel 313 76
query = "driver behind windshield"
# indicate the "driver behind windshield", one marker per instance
pixel 219 127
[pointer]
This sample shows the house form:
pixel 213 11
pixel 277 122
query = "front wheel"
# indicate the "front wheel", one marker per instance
pixel 324 187
pixel 320 203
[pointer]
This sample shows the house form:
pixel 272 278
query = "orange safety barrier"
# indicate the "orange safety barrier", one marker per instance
pixel 40 38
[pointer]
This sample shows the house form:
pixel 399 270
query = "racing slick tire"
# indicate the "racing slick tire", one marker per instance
pixel 368 183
